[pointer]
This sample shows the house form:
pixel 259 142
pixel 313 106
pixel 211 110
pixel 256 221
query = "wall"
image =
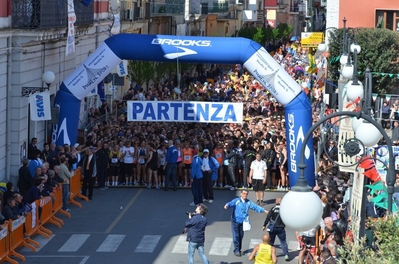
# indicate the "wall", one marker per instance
pixel 364 13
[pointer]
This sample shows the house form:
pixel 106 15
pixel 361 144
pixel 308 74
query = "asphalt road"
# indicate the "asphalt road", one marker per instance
pixel 136 225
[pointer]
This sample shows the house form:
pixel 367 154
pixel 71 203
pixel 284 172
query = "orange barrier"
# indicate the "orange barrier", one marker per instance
pixel 46 203
pixel 74 188
pixel 16 238
pixel 57 206
pixel 32 225
pixel 5 245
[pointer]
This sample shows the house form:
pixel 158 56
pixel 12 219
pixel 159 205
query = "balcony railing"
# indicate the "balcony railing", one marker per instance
pixel 42 14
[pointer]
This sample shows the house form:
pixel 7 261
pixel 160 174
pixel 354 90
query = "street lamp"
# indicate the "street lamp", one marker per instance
pixel 48 78
pixel 300 209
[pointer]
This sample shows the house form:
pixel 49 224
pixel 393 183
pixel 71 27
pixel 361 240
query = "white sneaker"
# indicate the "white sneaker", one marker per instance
pixel 210 201
pixel 220 185
pixel 204 200
pixel 232 188
pixel 192 204
pixel 227 186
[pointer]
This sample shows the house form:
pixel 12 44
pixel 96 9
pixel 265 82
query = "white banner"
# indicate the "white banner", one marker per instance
pixel 70 46
pixel 270 74
pixel 356 202
pixel 116 25
pixel 40 107
pixel 122 68
pixel 203 112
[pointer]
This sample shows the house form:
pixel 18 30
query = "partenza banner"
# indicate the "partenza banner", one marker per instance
pixel 176 111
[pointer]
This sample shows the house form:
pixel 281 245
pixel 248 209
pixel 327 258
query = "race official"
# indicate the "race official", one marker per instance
pixel 195 228
pixel 241 207
pixel 171 166
pixel 257 177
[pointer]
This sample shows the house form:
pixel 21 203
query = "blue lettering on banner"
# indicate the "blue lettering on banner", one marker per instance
pixel 39 105
pixel 185 112
pixel 189 112
pixel 163 109
pixel 203 112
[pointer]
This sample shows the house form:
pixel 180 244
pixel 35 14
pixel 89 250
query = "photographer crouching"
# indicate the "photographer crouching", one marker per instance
pixel 195 229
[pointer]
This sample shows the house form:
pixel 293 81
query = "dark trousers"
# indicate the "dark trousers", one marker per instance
pixel 88 182
pixel 196 188
pixel 101 175
pixel 231 169
pixel 238 235
pixel 268 179
pixel 171 172
pixel 207 185
pixel 247 168
pixel 280 233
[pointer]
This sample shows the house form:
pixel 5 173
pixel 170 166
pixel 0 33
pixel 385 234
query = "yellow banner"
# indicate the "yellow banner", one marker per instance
pixel 311 39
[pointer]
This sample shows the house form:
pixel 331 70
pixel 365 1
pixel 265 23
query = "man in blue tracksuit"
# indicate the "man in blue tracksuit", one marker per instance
pixel 241 207
pixel 171 166
pixel 196 179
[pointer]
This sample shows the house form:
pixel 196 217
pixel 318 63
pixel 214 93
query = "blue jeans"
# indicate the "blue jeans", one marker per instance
pixel 191 250
pixel 65 196
pixel 171 171
pixel 280 233
pixel 196 188
pixel 238 235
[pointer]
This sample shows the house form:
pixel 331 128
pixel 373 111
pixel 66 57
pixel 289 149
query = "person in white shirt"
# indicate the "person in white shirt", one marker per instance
pixel 128 161
pixel 257 177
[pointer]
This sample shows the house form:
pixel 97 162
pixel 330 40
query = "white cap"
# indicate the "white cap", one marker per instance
pixel 206 151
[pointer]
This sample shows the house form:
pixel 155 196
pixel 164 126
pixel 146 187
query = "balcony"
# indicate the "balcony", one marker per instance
pixel 45 14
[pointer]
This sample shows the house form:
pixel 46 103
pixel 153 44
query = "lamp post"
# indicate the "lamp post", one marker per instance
pixel 368 132
pixel 48 78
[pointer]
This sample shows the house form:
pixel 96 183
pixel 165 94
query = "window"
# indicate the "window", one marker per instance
pixel 387 19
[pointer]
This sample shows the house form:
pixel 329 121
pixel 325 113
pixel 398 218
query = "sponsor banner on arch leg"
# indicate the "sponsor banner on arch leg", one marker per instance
pixel 272 76
pixel 205 112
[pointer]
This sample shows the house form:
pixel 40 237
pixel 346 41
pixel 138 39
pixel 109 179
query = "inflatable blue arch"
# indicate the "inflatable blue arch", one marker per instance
pixel 198 50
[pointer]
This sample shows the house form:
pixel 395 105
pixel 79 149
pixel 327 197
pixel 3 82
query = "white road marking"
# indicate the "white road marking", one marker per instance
pixel 39 239
pixel 221 246
pixel 74 243
pixel 181 246
pixel 147 244
pixel 111 243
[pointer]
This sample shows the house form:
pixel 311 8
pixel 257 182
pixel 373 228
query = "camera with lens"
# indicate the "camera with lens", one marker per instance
pixel 190 213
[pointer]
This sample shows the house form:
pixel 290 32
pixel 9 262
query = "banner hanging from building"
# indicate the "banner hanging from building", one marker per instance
pixel 203 112
pixel 116 24
pixel 40 107
pixel 70 46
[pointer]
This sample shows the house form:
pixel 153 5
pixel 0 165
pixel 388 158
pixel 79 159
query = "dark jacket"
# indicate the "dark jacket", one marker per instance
pixel 268 156
pixel 249 156
pixel 33 195
pixel 8 213
pixel 24 180
pixel 196 228
pixel 232 156
pixel 272 215
pixel 342 226
pixel 102 158
pixel 92 166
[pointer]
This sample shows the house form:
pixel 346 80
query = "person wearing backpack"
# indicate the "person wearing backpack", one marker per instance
pixel 276 229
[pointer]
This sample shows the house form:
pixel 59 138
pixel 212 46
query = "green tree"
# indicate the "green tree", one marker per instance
pixel 141 72
pixel 387 238
pixel 263 35
pixel 379 52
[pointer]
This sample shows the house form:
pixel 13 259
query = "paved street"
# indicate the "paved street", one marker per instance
pixel 133 225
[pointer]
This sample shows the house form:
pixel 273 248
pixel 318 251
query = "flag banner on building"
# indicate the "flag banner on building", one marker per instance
pixel 122 68
pixel 203 112
pixel 40 107
pixel 70 46
pixel 116 24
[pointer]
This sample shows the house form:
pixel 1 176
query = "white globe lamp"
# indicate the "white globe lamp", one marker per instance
pixel 322 47
pixel 356 123
pixel 344 59
pixel 48 77
pixel 347 71
pixel 368 134
pixel 354 91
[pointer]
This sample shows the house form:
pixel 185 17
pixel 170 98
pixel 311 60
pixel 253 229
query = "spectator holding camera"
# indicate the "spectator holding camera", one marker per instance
pixel 195 228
